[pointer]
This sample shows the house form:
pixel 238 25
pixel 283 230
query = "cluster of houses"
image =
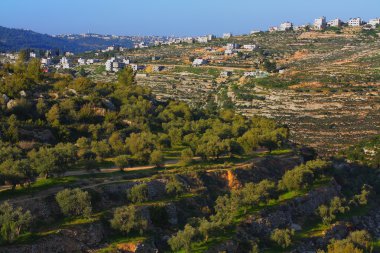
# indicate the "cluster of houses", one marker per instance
pixel 321 23
pixel 115 64
pixel 233 48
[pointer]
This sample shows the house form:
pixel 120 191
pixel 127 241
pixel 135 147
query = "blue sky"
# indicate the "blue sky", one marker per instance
pixel 172 17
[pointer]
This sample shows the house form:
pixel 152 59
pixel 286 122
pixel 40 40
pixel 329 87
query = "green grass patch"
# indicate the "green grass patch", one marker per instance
pixel 41 184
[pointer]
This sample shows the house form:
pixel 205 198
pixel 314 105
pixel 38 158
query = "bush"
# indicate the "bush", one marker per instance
pixel 328 213
pixel 156 158
pixel 174 187
pixel 187 156
pixel 297 179
pixel 138 193
pixel 122 161
pixel 127 219
pixel 183 239
pixel 282 237
pixel 343 246
pixel 74 202
pixel 13 221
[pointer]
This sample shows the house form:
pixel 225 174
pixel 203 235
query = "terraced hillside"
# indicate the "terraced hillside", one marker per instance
pixel 328 92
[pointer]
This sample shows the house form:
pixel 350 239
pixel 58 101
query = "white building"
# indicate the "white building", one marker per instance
pixel 355 22
pixel 230 51
pixel 257 74
pixel 81 61
pixel 374 22
pixel 203 39
pixel 226 73
pixel 114 64
pixel 33 55
pixel 46 61
pixel 286 26
pixel 211 37
pixel 199 62
pixel 91 61
pixel 157 68
pixel 320 23
pixel 136 67
pixel 273 29
pixel 335 23
pixel 231 46
pixel 250 47
pixel 227 35
pixel 255 32
pixel 65 63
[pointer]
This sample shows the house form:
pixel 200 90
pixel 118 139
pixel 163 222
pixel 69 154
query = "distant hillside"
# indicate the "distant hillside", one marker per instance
pixel 16 39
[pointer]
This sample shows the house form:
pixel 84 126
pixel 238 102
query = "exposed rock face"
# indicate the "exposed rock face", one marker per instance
pixel 262 224
pixel 369 222
pixel 171 210
pixel 307 205
pixel 156 189
pixel 43 135
pixel 80 239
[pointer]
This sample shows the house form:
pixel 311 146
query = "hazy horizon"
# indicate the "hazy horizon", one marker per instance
pixel 169 17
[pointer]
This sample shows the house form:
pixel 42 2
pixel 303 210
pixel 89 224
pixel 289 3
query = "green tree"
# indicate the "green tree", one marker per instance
pixel 187 156
pixel 122 161
pixel 127 219
pixel 53 116
pixel 53 161
pixel 138 193
pixel 74 202
pixel 297 179
pixel 282 237
pixel 174 187
pixel 33 70
pixel 16 172
pixel 41 107
pixel 13 221
pixel 183 239
pixel 12 132
pixel 157 158
pixel 343 246
pixel 126 77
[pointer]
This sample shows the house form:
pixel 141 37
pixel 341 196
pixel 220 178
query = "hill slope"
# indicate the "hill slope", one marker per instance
pixel 16 39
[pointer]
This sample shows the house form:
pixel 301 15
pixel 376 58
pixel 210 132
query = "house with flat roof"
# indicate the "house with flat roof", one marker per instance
pixel 355 22
pixel 320 23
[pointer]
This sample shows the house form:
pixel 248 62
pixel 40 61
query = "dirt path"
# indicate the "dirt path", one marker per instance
pixel 56 189
pixel 114 169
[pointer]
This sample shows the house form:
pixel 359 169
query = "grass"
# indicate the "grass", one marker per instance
pixel 53 228
pixel 41 184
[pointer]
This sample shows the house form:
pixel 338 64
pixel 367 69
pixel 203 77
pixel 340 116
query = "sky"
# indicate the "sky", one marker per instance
pixel 173 17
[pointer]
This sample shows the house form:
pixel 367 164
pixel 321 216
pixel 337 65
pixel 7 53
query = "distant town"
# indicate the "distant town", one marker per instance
pixel 115 63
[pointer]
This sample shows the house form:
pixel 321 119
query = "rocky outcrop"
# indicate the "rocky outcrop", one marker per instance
pixel 79 239
pixel 369 222
pixel 262 224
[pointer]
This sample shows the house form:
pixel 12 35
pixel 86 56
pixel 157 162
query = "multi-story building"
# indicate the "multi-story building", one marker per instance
pixel 320 23
pixel 286 26
pixel 355 22
pixel 65 63
pixel 231 46
pixel 374 22
pixel 227 35
pixel 335 23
